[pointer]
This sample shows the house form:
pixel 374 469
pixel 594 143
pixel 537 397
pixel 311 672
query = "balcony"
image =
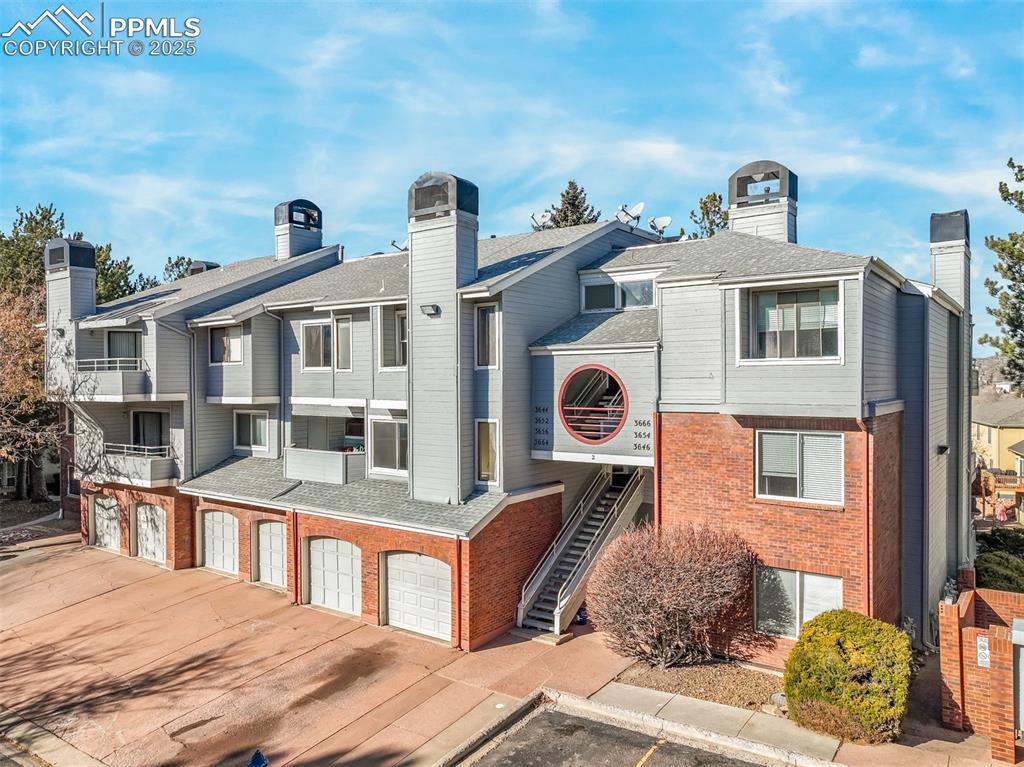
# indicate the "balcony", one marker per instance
pixel 112 379
pixel 330 466
pixel 134 465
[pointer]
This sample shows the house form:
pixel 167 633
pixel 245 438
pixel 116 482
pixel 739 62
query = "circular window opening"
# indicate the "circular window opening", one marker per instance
pixel 592 404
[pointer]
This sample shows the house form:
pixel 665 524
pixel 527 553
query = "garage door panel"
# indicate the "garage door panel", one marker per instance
pixel 419 594
pixel 335 575
pixel 220 541
pixel 151 532
pixel 271 539
pixel 107 523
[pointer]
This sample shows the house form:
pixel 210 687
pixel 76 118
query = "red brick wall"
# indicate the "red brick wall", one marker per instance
pixel 497 562
pixel 707 475
pixel 886 438
pixel 247 517
pixel 978 698
pixel 178 508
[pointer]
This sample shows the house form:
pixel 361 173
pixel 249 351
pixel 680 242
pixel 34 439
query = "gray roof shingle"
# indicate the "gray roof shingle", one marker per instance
pixel 730 254
pixel 387 276
pixel 604 329
pixel 998 411
pixel 261 480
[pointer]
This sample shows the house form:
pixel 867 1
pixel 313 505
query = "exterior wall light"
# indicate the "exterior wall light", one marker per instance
pixel 431 310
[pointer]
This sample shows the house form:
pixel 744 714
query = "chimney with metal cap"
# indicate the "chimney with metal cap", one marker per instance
pixel 762 200
pixel 298 228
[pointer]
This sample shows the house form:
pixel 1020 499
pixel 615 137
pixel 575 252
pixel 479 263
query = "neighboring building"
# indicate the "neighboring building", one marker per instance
pixel 443 438
pixel 998 430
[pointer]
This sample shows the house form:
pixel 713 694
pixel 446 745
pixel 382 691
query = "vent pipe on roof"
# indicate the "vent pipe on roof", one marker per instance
pixel 298 228
pixel 762 200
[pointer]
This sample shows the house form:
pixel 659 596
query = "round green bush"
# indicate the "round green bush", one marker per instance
pixel 1008 539
pixel 999 570
pixel 849 676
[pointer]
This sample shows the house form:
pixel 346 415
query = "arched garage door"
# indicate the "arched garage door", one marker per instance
pixel 151 532
pixel 271 541
pixel 419 594
pixel 220 541
pixel 335 575
pixel 106 523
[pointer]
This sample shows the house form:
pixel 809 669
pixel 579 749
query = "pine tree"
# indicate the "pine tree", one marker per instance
pixel 1008 290
pixel 574 209
pixel 176 268
pixel 711 218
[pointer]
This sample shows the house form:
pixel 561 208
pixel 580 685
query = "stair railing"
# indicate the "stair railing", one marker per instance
pixel 539 575
pixel 567 602
pixel 593 387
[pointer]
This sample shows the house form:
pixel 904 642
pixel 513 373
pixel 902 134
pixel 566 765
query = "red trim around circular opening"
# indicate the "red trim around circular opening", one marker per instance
pixel 625 404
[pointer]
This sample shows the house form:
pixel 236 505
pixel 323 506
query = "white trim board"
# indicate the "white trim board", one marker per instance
pixel 621 460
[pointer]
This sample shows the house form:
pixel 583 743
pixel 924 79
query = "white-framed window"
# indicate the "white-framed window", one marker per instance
pixel 795 324
pixel 486 335
pixel 316 345
pixel 401 338
pixel 389 446
pixel 609 295
pixel 1020 467
pixel 69 422
pixel 251 430
pixel 393 327
pixel 805 466
pixel 151 428
pixel 343 342
pixel 124 344
pixel 784 600
pixel 487 450
pixel 226 345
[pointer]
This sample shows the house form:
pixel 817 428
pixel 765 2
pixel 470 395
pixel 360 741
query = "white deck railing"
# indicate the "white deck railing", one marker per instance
pixel 112 364
pixel 140 451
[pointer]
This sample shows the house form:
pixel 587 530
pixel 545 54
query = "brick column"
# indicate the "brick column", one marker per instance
pixel 1001 690
pixel 965 578
pixel 950 661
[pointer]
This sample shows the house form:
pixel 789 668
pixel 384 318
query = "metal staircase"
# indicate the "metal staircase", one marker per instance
pixel 556 588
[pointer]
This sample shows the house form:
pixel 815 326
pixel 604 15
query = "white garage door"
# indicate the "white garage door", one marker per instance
pixel 335 578
pixel 271 563
pixel 420 594
pixel 220 541
pixel 151 532
pixel 105 520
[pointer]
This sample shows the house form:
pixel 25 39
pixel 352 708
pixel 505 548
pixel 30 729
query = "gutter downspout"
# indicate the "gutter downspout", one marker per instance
pixel 458 398
pixel 868 522
pixel 297 578
pixel 280 381
pixel 458 595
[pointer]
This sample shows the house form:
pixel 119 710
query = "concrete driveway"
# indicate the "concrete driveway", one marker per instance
pixel 136 665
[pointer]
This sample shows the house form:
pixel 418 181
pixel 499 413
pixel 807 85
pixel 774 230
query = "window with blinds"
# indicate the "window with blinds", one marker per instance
pixel 343 334
pixel 784 600
pixel 226 345
pixel 802 465
pixel 124 344
pixel 795 324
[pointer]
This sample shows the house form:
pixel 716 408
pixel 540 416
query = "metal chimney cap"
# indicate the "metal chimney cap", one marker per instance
pixel 61 252
pixel 436 193
pixel 300 213
pixel 755 172
pixel 952 226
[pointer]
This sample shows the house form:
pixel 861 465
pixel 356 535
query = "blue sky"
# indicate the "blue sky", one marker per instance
pixel 886 112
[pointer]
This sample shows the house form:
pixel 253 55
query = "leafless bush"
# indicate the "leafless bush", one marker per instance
pixel 658 594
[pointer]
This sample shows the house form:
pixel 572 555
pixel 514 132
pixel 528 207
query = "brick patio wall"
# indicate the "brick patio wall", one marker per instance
pixel 975 697
pixel 178 508
pixel 707 475
pixel 498 561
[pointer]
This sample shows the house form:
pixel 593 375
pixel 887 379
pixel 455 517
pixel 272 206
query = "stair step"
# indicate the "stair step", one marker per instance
pixel 538 625
pixel 541 617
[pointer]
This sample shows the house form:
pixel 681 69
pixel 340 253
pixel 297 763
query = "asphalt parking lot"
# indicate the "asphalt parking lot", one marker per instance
pixel 552 738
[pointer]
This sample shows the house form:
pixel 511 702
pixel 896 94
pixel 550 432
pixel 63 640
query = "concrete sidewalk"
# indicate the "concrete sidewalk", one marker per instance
pixel 778 733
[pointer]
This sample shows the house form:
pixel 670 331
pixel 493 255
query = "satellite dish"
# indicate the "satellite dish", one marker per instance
pixel 400 248
pixel 541 220
pixel 630 216
pixel 659 224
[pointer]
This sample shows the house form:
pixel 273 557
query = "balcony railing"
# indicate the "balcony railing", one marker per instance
pixel 112 364
pixel 139 451
pixel 593 422
pixel 330 466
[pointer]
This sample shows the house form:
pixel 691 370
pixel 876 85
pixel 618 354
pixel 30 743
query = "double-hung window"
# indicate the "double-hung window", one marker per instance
pixel 316 345
pixel 343 336
pixel 796 324
pixel 226 345
pixel 401 338
pixel 784 600
pixel 250 430
pixel 487 336
pixel 801 465
pixel 390 446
